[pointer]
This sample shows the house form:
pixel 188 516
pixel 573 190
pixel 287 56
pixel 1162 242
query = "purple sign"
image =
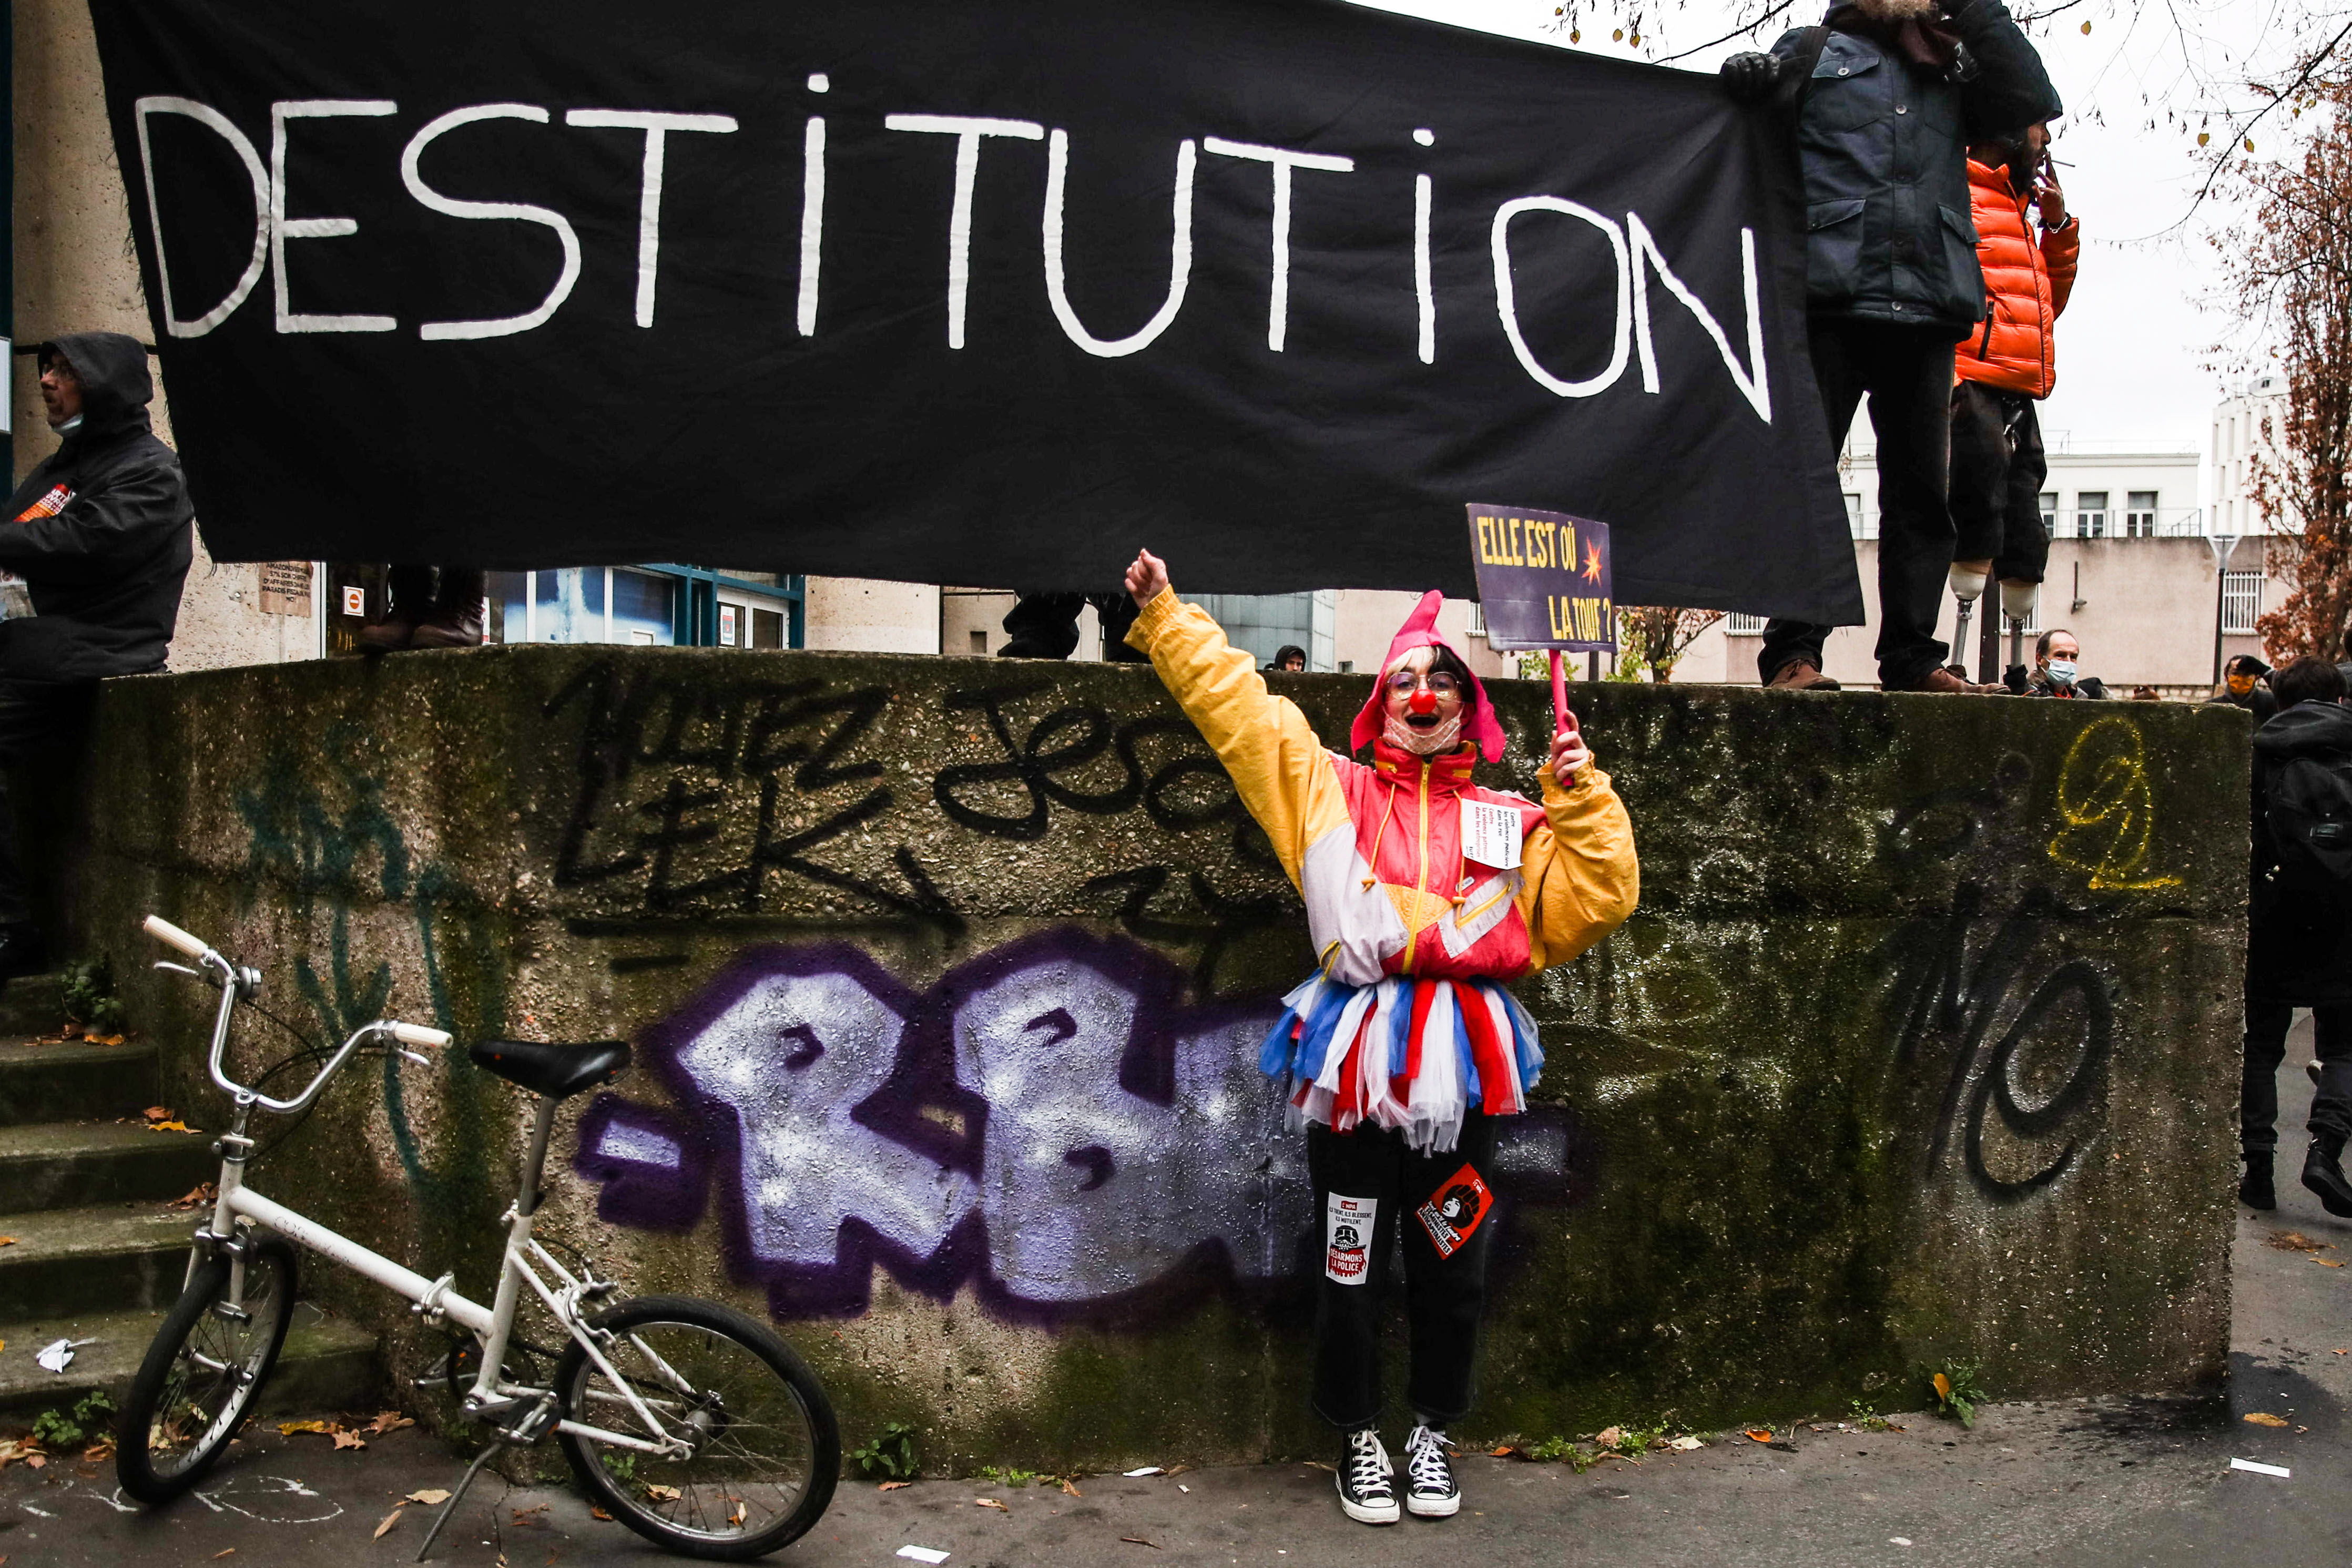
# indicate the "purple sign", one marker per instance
pixel 1543 579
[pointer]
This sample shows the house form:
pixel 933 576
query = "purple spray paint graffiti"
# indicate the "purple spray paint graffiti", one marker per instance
pixel 1050 1122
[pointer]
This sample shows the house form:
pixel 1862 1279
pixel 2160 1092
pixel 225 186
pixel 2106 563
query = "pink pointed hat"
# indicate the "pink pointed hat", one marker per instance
pixel 1420 630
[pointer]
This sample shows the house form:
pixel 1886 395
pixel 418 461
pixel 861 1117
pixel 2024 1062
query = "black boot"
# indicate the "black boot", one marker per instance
pixel 2254 1188
pixel 2324 1175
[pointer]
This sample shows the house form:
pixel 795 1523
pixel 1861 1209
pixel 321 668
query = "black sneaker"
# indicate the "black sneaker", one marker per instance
pixel 1366 1494
pixel 2254 1188
pixel 1429 1490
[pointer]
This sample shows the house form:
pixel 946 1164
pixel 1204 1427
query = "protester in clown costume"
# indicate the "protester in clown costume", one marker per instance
pixel 1405 1046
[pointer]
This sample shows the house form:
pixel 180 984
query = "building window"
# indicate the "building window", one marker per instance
pixel 1478 619
pixel 2049 513
pixel 2241 600
pixel 2090 514
pixel 1738 625
pixel 2139 515
pixel 1855 522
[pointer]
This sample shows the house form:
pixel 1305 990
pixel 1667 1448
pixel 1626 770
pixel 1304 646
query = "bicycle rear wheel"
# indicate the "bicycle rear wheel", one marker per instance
pixel 203 1373
pixel 766 1451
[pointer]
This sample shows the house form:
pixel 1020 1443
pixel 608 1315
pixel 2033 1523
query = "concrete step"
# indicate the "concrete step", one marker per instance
pixel 327 1365
pixel 68 1080
pixel 112 1258
pixel 72 1165
pixel 32 1004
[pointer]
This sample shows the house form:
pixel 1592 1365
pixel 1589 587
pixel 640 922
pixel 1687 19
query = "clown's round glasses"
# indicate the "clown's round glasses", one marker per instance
pixel 1403 682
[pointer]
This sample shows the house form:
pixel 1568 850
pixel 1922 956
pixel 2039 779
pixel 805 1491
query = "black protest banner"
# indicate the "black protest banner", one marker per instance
pixel 1544 579
pixel 982 293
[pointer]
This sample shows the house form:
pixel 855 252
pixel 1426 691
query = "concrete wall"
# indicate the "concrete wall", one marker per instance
pixel 946 979
pixel 76 272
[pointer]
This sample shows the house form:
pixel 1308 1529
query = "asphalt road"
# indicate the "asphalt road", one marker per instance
pixel 2089 1484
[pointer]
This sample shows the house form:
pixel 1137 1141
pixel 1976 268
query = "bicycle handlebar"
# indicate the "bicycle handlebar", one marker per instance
pixel 169 935
pixel 232 983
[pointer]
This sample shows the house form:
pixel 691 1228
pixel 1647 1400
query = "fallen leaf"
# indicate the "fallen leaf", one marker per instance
pixel 389 1421
pixel 2327 1263
pixel 1761 1434
pixel 103 1039
pixel 2265 1418
pixel 102 1449
pixel 528 1516
pixel 1610 1437
pixel 660 1493
pixel 7 1241
pixel 37 1461
pixel 1139 1541
pixel 739 1516
pixel 431 1496
pixel 1071 1487
pixel 389 1521
pixel 198 1196
pixel 346 1438
pixel 1177 1469
pixel 893 1485
pixel 159 1113
pixel 171 1127
pixel 1506 1452
pixel 989 1502
pixel 2295 1241
pixel 288 1428
pixel 1685 1445
pixel 595 1512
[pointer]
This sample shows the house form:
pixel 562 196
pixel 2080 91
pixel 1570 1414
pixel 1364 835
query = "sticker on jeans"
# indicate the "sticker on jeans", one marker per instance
pixel 1348 1238
pixel 1490 835
pixel 1455 1210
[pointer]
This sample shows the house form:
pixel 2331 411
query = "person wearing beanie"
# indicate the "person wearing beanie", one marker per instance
pixel 1426 895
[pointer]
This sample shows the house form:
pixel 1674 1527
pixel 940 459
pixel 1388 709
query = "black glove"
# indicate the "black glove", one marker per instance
pixel 1749 78
pixel 2014 678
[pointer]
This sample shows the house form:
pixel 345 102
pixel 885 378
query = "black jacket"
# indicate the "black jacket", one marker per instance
pixel 1882 142
pixel 102 531
pixel 2300 942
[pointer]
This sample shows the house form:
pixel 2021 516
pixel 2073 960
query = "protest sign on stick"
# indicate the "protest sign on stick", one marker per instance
pixel 1544 582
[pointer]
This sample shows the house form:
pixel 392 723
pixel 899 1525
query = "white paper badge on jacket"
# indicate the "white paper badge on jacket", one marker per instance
pixel 1348 1238
pixel 1490 835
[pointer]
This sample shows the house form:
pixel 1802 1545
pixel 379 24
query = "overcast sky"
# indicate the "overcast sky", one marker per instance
pixel 2133 344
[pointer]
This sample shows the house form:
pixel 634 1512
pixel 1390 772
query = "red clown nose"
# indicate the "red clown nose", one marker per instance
pixel 1423 701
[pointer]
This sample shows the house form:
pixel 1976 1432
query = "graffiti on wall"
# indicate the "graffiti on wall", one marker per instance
pixel 1050 1124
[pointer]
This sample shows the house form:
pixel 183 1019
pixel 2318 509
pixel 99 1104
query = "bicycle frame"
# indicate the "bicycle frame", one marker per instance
pixel 491 1395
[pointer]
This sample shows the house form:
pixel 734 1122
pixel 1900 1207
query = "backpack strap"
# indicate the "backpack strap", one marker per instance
pixel 1797 79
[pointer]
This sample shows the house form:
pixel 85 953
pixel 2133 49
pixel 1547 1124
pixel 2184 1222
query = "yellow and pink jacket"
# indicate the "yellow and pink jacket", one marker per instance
pixel 1406 1024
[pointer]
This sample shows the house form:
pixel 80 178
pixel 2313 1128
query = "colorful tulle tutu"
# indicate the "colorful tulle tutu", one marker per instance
pixel 1403 1053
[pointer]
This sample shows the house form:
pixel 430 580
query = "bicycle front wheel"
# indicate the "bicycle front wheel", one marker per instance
pixel 766 1452
pixel 203 1373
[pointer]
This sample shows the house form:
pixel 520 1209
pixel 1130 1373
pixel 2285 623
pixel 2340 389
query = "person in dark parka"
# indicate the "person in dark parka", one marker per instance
pixel 1885 98
pixel 2299 948
pixel 100 534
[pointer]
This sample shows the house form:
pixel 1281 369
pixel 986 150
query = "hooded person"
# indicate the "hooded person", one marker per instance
pixel 1426 895
pixel 99 534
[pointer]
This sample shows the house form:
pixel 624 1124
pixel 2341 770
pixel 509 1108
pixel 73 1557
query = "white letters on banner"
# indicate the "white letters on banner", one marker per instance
pixel 967 130
pixel 498 326
pixel 1633 249
pixel 656 128
pixel 218 122
pixel 283 229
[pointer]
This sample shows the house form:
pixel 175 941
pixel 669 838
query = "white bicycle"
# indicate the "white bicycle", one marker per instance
pixel 692 1424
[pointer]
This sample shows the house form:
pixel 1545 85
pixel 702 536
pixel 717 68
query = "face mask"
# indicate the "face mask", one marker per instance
pixel 1426 742
pixel 70 426
pixel 2241 685
pixel 2062 671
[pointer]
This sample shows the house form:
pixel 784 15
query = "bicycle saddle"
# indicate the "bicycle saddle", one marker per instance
pixel 555 1070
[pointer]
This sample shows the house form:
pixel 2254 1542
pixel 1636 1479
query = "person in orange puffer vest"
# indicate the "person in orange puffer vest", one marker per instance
pixel 2005 367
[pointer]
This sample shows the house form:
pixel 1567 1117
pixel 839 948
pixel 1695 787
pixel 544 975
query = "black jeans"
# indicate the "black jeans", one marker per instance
pixel 1045 625
pixel 416 595
pixel 1907 372
pixel 43 725
pixel 2331 1107
pixel 1998 470
pixel 1444 1297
